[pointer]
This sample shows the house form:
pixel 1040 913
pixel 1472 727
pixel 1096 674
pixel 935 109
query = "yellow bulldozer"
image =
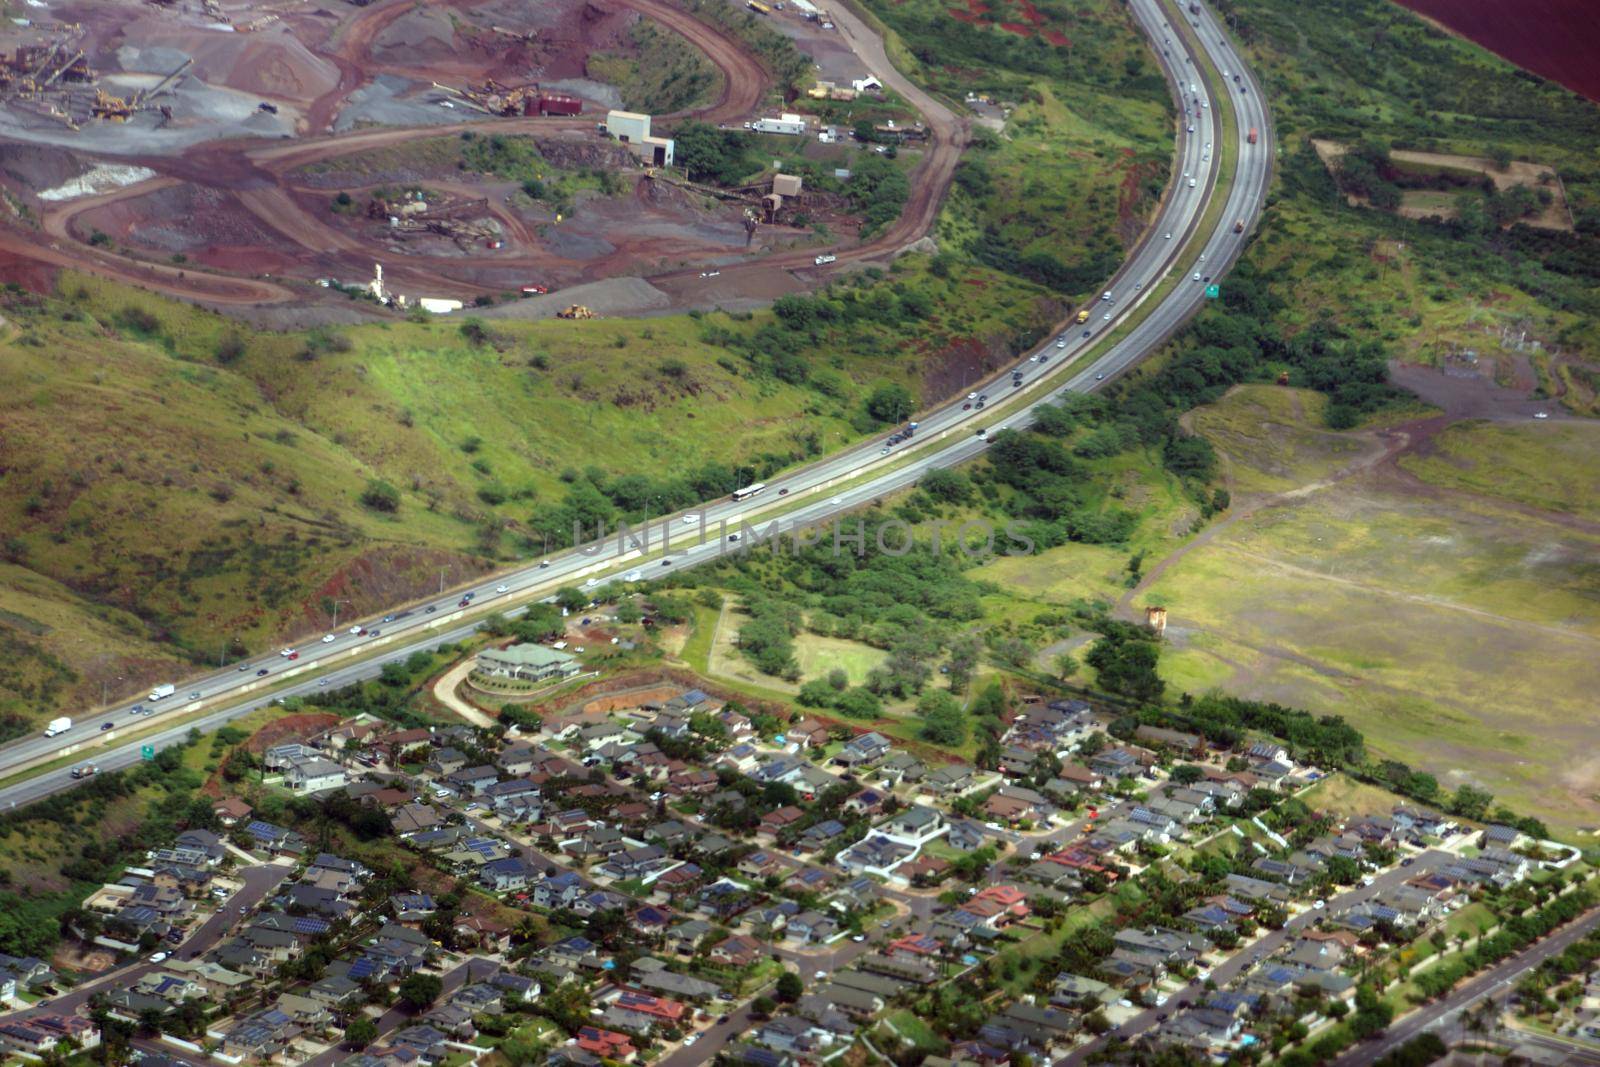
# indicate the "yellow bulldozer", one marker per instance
pixel 575 311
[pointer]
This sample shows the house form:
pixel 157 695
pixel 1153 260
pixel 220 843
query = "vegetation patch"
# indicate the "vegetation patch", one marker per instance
pixel 664 74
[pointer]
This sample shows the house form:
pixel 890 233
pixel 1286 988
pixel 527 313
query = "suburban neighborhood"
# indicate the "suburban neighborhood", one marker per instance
pixel 658 866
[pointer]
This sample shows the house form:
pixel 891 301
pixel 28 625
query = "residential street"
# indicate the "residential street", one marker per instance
pixel 1493 982
pixel 259 881
pixel 1240 961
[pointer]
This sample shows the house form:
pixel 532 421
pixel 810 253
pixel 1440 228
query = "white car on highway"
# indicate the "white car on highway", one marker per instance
pixel 327 639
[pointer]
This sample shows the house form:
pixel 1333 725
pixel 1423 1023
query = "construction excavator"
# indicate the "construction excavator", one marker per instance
pixel 575 311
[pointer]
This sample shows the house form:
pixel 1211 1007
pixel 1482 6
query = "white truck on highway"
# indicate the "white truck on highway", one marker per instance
pixel 58 726
pixel 161 691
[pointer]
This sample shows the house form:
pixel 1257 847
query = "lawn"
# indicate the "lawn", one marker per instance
pixel 914 1032
pixel 819 655
pixel 1343 796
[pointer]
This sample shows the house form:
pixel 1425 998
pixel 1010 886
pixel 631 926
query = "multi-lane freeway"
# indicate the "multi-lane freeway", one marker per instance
pixel 1150 297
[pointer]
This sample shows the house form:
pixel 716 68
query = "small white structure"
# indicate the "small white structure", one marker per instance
pixel 869 84
pixel 787 124
pixel 438 305
pixel 629 127
pixel 633 130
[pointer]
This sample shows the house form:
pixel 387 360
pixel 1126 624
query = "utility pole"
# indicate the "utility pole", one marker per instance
pixel 441 581
pixel 337 601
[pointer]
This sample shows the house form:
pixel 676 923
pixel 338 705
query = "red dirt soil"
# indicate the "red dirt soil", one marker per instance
pixel 254 173
pixel 1553 38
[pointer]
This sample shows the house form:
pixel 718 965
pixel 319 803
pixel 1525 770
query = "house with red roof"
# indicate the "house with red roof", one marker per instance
pixel 607 1044
pixel 914 945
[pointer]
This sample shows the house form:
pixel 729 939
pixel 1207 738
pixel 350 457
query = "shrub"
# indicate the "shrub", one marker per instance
pixel 379 495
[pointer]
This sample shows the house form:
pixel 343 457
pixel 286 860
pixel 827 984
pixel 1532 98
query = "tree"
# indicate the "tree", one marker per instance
pixel 789 987
pixel 709 153
pixel 1066 665
pixel 943 721
pixel 1187 774
pixel 420 990
pixel 1343 870
pixel 890 402
pixel 951 487
pixel 962 661
pixel 361 1032
pixel 858 703
pixel 1127 665
pixel 1471 802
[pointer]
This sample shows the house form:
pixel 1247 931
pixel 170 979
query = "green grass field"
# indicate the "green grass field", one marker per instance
pixel 1454 628
pixel 1549 466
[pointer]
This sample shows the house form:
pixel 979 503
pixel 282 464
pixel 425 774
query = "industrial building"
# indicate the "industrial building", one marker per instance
pixel 633 130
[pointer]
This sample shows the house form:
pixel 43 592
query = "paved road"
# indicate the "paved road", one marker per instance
pixel 1247 957
pixel 259 881
pixel 1494 981
pixel 809 496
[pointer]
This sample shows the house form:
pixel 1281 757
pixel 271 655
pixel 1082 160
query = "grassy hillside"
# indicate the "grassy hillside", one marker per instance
pixel 176 487
pixel 1435 597
pixel 1071 150
pixel 665 74
pixel 1368 72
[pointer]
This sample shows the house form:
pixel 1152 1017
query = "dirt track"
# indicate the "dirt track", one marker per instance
pixel 256 173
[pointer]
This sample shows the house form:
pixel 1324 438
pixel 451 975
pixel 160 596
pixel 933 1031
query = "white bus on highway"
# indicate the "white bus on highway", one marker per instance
pixel 748 491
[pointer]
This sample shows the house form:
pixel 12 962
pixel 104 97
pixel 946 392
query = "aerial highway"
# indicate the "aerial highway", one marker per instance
pixel 1157 289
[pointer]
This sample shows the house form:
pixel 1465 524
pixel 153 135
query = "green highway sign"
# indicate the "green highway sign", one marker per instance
pixel 1213 291
pixel 147 752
